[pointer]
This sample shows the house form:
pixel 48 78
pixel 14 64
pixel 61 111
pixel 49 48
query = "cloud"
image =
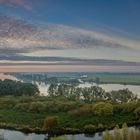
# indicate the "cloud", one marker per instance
pixel 32 37
pixel 15 28
pixel 27 60
pixel 17 3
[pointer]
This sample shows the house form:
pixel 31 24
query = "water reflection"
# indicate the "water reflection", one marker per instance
pixel 43 87
pixel 126 133
pixel 16 135
pixel 121 134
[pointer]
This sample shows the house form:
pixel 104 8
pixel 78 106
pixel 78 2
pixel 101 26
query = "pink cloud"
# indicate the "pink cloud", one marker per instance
pixel 17 3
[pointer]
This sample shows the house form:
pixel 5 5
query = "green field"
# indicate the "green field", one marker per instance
pixel 133 79
pixel 72 78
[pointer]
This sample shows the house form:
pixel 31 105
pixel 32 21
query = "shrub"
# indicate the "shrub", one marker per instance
pixel 103 109
pixel 137 112
pixel 74 113
pixel 50 122
pixel 89 128
pixel 37 107
pixel 100 126
pixel 85 110
pixel 22 106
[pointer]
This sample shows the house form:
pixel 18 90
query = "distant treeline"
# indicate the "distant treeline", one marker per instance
pixel 45 78
pixel 90 94
pixel 9 87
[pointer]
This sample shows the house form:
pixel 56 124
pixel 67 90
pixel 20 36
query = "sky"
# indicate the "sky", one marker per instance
pixel 70 35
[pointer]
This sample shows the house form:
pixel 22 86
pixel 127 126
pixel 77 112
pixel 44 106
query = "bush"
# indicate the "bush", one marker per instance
pixel 85 110
pixel 137 112
pixel 125 107
pixel 50 122
pixel 100 126
pixel 103 109
pixel 89 128
pixel 22 106
pixel 37 107
pixel 74 113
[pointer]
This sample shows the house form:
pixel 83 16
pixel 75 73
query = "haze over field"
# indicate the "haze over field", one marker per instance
pixel 52 35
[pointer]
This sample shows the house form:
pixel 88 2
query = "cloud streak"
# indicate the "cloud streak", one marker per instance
pixel 17 33
pixel 17 3
pixel 19 37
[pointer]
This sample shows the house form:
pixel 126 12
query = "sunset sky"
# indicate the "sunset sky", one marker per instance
pixel 70 35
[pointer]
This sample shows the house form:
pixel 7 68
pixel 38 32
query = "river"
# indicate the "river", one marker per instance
pixel 133 133
pixel 43 88
pixel 16 135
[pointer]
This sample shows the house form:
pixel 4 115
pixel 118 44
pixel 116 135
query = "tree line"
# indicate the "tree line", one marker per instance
pixel 90 94
pixel 10 87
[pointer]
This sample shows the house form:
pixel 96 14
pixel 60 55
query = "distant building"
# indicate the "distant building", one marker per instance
pixel 83 76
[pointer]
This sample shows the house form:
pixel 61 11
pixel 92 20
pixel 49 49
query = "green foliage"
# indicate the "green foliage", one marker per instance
pixel 125 131
pixel 123 95
pixel 90 94
pixel 100 126
pixel 9 87
pixel 106 135
pixel 137 113
pixel 30 112
pixel 74 113
pixel 89 128
pixel 37 107
pixel 117 133
pixel 103 109
pixel 125 107
pixel 50 122
pixel 22 106
pixel 62 138
pixel 85 110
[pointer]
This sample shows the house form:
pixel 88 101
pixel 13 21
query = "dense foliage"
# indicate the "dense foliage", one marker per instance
pixel 67 108
pixel 30 112
pixel 9 87
pixel 90 94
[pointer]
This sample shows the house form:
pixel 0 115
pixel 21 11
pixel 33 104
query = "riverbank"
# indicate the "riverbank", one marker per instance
pixel 32 122
pixel 61 130
pixel 74 115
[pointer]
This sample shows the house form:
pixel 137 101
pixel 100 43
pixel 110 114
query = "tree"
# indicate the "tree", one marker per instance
pixel 103 109
pixel 52 90
pixel 9 87
pixel 91 93
pixel 89 128
pixel 123 95
pixel 137 113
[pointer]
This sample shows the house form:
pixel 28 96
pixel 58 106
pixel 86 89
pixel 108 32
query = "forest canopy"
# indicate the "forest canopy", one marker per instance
pixel 9 87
